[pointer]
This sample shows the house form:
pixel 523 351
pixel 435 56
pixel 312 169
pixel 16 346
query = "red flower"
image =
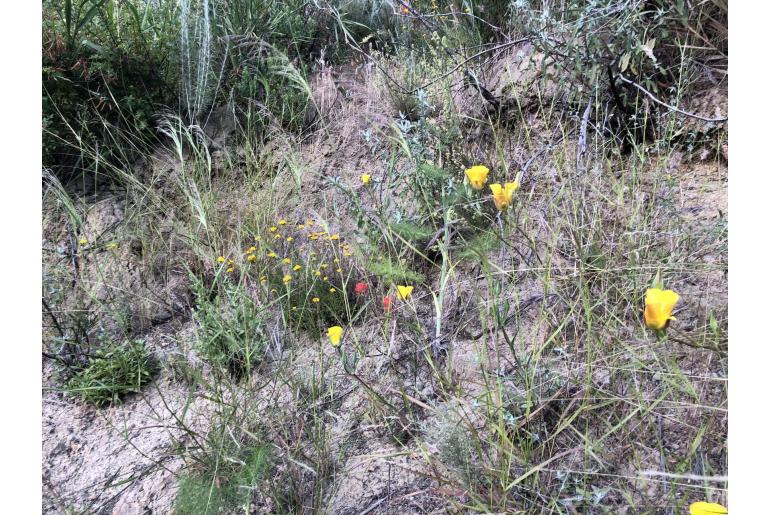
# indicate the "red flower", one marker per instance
pixel 386 304
pixel 361 288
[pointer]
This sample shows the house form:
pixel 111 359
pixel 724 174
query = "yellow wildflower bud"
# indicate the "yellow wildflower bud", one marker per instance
pixel 301 226
pixel 286 261
pixel 404 292
pixel 273 229
pixel 281 222
pixel 317 273
pixel 335 335
pixel 251 258
pixel 477 176
pixel 503 195
pixel 230 270
pixel 326 278
pixel 263 279
pixel 334 237
pixel 112 245
pixel 83 241
pixel 272 255
pixel 658 305
pixel 339 270
pixel 707 508
pixel 366 179
pixel 276 236
pixel 286 279
pixel 221 259
pixel 324 266
pixel 251 250
pixel 297 268
pixel 332 290
pixel 290 238
pixel 316 300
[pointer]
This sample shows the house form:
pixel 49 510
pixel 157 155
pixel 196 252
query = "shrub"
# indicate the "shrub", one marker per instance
pixel 311 274
pixel 231 489
pixel 231 333
pixel 115 369
pixel 106 69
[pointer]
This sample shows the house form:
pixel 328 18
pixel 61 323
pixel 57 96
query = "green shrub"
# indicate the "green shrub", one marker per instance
pixel 115 369
pixel 230 490
pixel 108 67
pixel 310 273
pixel 231 334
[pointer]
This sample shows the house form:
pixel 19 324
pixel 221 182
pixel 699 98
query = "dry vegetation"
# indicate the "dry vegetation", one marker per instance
pixel 187 367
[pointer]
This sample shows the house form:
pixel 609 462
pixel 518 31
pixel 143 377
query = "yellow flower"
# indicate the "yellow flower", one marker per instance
pixel 286 261
pixel 404 292
pixel 335 335
pixel 477 176
pixel 297 268
pixel 273 228
pixel 317 273
pixel 251 258
pixel 258 238
pixel 83 241
pixel 316 300
pixel 263 279
pixel 251 250
pixel 290 238
pixel 707 508
pixel 276 236
pixel 112 245
pixel 336 260
pixel 221 259
pixel 230 270
pixel 326 278
pixel 301 226
pixel 286 279
pixel 339 270
pixel 347 254
pixel 281 222
pixel 658 305
pixel 332 290
pixel 502 195
pixel 324 266
pixel 366 179
pixel 334 237
pixel 272 255
pixel 230 262
pixel 309 223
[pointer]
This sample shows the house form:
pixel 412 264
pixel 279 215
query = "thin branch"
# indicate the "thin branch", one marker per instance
pixel 669 106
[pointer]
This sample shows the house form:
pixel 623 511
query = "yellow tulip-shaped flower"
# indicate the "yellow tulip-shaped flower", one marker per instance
pixel 404 292
pixel 366 179
pixel 477 176
pixel 707 508
pixel 658 305
pixel 335 335
pixel 503 195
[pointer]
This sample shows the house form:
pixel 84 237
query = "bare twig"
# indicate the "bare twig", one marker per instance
pixel 669 106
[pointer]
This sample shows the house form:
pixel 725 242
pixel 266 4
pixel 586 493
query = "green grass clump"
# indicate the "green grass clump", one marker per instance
pixel 390 272
pixel 201 494
pixel 231 327
pixel 115 370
